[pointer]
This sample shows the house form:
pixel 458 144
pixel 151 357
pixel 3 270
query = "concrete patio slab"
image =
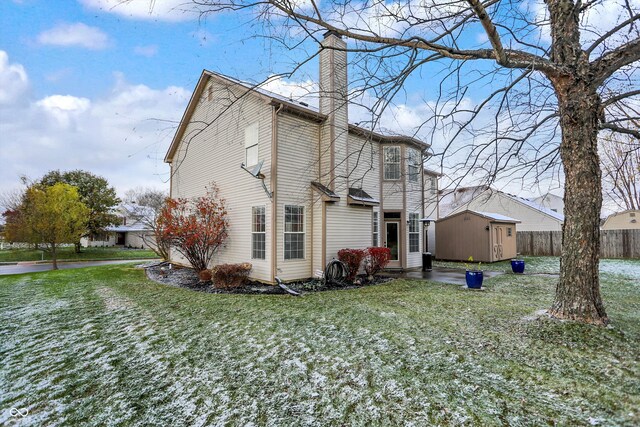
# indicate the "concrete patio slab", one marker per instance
pixel 438 274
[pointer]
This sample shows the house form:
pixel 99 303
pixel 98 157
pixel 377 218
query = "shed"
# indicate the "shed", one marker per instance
pixel 486 236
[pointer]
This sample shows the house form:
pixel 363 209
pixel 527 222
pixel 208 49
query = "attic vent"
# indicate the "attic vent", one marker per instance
pixel 632 214
pixel 304 104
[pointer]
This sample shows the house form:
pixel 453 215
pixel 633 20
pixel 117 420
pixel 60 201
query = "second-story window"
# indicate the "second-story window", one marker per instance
pixel 414 165
pixel 391 163
pixel 251 145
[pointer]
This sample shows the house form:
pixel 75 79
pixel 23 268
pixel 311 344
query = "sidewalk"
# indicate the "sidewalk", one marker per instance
pixel 39 266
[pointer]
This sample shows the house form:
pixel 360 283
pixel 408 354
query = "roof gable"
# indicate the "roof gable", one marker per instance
pixel 298 108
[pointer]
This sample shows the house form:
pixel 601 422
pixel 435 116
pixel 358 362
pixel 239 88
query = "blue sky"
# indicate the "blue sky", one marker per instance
pixel 83 80
pixel 98 84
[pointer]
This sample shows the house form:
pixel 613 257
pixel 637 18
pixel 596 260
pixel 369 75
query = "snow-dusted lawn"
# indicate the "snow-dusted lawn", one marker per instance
pixel 551 265
pixel 104 346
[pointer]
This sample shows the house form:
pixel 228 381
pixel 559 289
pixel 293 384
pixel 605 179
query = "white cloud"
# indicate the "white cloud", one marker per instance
pixel 122 136
pixel 598 19
pixel 77 34
pixel 13 81
pixel 148 51
pixel 164 10
pixel 305 91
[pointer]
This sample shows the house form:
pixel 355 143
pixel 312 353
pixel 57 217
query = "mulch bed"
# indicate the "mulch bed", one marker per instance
pixel 188 278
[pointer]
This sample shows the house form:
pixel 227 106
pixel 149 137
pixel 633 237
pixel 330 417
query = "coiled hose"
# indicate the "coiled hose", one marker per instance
pixel 336 272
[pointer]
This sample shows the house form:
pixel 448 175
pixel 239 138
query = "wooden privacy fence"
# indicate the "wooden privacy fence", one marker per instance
pixel 613 243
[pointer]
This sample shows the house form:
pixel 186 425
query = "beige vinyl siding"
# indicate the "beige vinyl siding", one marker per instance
pixel 135 239
pixel 431 209
pixel 347 227
pixel 364 165
pixel 392 195
pixel 531 219
pixel 350 226
pixel 414 199
pixel 316 237
pixel 297 167
pixel 414 205
pixel 214 153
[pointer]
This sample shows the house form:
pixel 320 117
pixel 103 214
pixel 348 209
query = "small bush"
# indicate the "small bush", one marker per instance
pixel 231 275
pixel 352 259
pixel 205 275
pixel 375 260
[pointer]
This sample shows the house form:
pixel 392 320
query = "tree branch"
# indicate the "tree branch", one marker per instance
pixel 619 129
pixel 603 67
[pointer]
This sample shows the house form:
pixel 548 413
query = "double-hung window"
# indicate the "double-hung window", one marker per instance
pixel 375 229
pixel 414 232
pixel 391 163
pixel 293 232
pixel 251 145
pixel 414 165
pixel 258 232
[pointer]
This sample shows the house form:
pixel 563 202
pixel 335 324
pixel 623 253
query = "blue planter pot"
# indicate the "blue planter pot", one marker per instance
pixel 474 279
pixel 517 266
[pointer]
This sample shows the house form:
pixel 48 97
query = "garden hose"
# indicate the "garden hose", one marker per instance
pixel 336 272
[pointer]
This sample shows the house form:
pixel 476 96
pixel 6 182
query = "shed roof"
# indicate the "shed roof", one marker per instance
pixel 357 196
pixel 491 216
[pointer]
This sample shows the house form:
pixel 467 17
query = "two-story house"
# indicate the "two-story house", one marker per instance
pixel 310 183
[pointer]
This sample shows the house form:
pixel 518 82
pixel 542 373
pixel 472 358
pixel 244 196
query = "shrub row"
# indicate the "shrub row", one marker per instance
pixel 373 260
pixel 227 275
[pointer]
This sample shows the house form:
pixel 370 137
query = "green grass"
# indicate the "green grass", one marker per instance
pixel 105 346
pixel 69 254
pixel 533 264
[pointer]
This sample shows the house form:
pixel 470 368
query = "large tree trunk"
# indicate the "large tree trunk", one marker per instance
pixel 578 292
pixel 54 256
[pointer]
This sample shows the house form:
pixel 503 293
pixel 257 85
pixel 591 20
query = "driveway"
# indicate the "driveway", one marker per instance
pixel 32 267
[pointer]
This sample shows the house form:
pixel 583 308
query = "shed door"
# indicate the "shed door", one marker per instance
pixel 498 237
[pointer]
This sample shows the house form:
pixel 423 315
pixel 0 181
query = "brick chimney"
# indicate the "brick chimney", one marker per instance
pixel 333 103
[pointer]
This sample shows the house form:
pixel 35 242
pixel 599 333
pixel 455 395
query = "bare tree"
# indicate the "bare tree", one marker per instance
pixel 145 206
pixel 621 167
pixel 556 73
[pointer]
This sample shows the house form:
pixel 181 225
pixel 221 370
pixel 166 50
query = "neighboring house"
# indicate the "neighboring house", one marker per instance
pixel 625 220
pixel 533 217
pixel 317 184
pixel 132 231
pixel 485 236
pixel 550 201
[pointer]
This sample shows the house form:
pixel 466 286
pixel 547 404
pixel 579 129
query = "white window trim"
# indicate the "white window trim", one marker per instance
pixel 417 232
pixel 259 232
pixel 375 229
pixel 251 139
pixel 303 232
pixel 413 177
pixel 385 163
